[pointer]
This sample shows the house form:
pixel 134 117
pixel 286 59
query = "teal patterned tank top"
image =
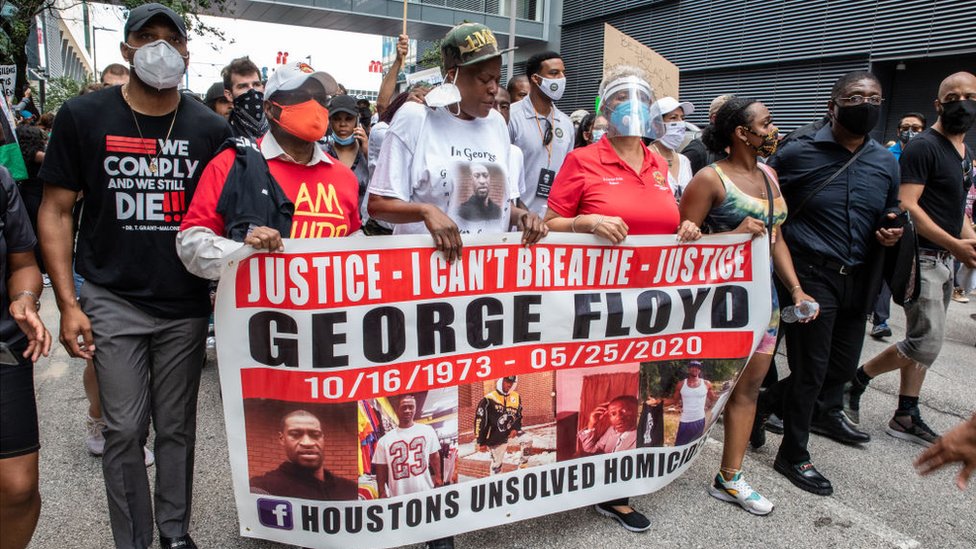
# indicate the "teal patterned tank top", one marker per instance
pixel 737 205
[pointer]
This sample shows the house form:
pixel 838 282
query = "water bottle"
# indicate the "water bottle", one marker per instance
pixel 803 311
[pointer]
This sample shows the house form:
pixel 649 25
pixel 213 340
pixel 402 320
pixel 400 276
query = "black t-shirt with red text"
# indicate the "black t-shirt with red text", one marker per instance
pixel 126 238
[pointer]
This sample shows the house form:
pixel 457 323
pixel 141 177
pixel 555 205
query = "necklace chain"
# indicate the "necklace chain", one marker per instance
pixel 668 159
pixel 154 163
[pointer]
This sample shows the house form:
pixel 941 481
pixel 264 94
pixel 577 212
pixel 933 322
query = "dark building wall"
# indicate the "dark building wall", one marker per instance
pixel 787 53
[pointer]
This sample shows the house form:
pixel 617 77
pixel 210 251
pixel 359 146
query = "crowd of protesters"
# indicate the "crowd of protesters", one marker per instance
pixel 132 282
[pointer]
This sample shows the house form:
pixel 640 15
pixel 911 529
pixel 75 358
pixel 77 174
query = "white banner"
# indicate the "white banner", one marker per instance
pixel 8 76
pixel 377 396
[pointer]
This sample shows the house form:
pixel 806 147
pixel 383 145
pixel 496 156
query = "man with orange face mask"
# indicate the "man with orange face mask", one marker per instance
pixel 231 203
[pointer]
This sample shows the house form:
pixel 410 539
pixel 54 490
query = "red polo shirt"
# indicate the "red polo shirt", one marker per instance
pixel 594 180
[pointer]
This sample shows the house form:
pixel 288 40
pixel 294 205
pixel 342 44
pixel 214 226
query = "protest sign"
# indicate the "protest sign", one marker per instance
pixel 319 346
pixel 430 77
pixel 620 49
pixel 8 77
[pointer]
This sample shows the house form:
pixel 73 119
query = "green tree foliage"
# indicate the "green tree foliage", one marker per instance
pixel 431 57
pixel 60 90
pixel 15 25
pixel 658 379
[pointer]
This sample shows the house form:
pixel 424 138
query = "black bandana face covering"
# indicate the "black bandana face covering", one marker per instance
pixel 248 118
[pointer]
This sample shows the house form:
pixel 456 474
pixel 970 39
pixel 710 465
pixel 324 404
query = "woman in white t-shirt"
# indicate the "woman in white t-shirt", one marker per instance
pixel 679 167
pixel 444 166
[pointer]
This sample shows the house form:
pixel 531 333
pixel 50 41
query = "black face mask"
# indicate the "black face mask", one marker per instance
pixel 958 116
pixel 906 135
pixel 859 119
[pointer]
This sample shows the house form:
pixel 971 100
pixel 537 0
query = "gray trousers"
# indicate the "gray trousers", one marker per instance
pixel 145 365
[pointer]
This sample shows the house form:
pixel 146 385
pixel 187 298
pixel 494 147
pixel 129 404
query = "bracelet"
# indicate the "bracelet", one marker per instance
pixel 794 289
pixel 37 300
pixel 598 223
pixel 575 219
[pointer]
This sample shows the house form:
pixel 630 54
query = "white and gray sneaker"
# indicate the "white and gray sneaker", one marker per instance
pixel 95 440
pixel 738 491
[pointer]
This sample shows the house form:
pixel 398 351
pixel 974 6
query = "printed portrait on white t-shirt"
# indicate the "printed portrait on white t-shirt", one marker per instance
pixel 480 198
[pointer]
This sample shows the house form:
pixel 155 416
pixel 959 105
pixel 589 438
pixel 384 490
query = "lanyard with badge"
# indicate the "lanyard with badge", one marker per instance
pixel 546 175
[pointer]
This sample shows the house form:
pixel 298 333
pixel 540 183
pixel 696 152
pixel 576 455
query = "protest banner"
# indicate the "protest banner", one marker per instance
pixel 8 76
pixel 621 49
pixel 430 77
pixel 319 345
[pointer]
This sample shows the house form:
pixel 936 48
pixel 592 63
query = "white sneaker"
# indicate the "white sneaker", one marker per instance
pixel 95 440
pixel 738 491
pixel 46 280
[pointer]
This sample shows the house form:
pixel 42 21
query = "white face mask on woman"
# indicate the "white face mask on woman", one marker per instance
pixel 445 94
pixel 674 135
pixel 159 65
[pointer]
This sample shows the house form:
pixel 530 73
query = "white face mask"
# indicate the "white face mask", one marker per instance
pixel 553 87
pixel 159 65
pixel 674 135
pixel 597 135
pixel 445 94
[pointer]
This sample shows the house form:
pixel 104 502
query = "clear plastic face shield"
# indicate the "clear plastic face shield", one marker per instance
pixel 628 103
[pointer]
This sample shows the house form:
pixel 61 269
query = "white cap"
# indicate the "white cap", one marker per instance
pixel 578 116
pixel 668 104
pixel 293 75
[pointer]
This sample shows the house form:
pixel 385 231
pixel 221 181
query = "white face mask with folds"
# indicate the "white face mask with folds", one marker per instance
pixel 444 95
pixel 673 135
pixel 159 65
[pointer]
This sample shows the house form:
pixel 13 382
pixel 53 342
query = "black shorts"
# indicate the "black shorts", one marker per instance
pixel 18 409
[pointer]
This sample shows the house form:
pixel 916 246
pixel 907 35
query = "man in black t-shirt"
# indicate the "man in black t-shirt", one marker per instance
pixel 136 152
pixel 936 173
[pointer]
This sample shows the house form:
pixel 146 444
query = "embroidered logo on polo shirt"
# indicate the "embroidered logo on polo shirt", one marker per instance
pixel 613 180
pixel 559 132
pixel 659 180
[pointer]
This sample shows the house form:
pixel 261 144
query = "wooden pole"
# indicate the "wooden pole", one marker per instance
pixel 404 17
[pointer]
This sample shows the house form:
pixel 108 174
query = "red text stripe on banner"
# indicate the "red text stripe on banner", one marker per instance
pixel 339 279
pixel 358 384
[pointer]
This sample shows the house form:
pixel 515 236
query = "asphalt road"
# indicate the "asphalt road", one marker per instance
pixel 878 500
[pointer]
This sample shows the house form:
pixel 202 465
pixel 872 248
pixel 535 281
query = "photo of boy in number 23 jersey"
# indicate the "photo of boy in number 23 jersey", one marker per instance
pixel 407 459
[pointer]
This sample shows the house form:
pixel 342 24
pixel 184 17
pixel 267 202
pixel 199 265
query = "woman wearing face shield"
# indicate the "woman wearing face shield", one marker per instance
pixel 679 167
pixel 617 187
pixel 733 196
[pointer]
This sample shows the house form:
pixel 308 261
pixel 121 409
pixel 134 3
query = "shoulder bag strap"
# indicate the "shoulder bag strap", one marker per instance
pixel 769 199
pixel 796 211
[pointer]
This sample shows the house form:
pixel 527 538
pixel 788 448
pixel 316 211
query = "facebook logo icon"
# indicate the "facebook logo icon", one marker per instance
pixel 275 513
